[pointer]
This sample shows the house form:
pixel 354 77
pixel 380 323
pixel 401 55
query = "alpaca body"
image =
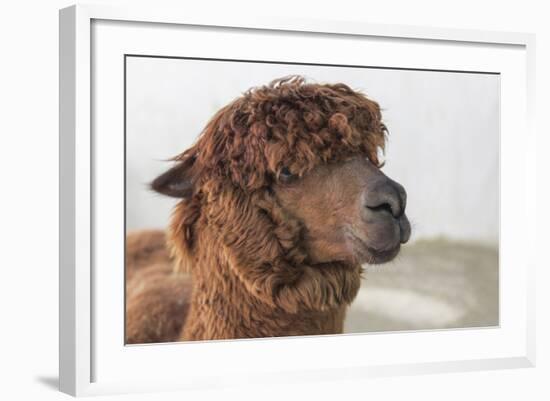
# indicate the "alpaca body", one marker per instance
pixel 220 318
pixel 234 313
pixel 163 305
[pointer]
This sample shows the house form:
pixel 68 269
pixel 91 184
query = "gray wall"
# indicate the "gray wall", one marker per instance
pixel 443 144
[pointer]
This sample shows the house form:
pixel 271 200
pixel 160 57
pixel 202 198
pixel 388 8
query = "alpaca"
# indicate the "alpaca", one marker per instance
pixel 281 201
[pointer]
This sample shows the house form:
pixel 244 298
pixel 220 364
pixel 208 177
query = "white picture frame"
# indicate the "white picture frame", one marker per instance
pixel 91 363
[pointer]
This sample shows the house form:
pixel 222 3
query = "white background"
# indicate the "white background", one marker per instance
pixel 443 144
pixel 28 213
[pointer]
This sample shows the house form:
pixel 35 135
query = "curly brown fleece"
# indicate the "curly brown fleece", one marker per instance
pixel 251 275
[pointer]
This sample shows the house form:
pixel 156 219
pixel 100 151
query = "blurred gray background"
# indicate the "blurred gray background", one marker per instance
pixel 443 147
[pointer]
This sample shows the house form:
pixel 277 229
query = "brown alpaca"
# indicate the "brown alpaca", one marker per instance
pixel 282 200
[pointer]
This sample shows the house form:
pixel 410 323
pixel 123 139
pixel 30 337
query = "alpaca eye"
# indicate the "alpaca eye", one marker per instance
pixel 285 175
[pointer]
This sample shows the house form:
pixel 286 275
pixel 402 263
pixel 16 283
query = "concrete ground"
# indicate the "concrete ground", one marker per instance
pixel 433 284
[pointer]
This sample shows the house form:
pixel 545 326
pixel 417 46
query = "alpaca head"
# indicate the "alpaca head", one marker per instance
pixel 285 182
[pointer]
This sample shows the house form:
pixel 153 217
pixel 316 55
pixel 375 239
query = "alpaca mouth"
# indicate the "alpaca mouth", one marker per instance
pixel 365 253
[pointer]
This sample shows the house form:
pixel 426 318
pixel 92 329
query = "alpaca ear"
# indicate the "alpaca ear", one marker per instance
pixel 176 182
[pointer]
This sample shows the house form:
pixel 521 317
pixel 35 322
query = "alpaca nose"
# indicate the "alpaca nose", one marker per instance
pixel 387 195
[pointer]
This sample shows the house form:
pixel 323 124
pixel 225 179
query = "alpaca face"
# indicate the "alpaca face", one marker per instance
pixel 351 211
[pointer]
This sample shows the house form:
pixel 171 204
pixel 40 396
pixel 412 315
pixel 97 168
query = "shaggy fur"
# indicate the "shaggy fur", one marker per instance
pixel 157 298
pixel 250 271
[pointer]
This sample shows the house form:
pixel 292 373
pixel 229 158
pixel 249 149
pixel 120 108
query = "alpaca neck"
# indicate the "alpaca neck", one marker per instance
pixel 222 308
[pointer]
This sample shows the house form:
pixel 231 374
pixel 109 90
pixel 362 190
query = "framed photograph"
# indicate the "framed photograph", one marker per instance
pixel 275 200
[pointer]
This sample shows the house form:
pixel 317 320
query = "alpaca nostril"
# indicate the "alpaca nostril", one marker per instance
pixel 384 206
pixel 388 198
pixel 384 194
